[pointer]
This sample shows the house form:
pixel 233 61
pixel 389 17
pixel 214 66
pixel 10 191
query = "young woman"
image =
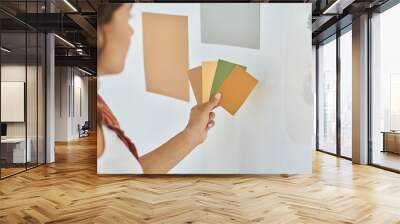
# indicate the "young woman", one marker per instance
pixel 114 148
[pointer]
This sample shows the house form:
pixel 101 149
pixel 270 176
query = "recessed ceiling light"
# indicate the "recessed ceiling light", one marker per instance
pixel 5 50
pixel 70 5
pixel 84 71
pixel 337 6
pixel 65 41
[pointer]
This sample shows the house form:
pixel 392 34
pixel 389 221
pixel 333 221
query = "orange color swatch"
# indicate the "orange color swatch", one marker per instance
pixel 235 89
pixel 166 54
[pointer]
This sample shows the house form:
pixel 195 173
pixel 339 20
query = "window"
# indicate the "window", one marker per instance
pixel 385 89
pixel 346 75
pixel 395 101
pixel 327 97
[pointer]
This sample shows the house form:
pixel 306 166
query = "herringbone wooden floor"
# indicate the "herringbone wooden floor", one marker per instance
pixel 69 191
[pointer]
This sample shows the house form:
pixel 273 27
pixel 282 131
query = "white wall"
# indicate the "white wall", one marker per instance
pixel 17 73
pixel 33 127
pixel 61 103
pixel 67 83
pixel 271 133
pixel 80 83
pixel 14 73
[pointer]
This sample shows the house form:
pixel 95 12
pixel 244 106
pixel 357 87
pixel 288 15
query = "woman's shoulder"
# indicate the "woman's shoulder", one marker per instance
pixel 115 157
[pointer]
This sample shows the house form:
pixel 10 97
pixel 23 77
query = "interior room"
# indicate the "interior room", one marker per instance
pixel 50 98
pixel 25 65
pixel 22 99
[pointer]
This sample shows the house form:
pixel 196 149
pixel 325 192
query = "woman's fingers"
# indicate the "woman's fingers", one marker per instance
pixel 211 117
pixel 211 121
pixel 210 124
pixel 214 102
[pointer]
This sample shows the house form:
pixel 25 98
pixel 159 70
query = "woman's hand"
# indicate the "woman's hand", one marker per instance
pixel 165 157
pixel 202 119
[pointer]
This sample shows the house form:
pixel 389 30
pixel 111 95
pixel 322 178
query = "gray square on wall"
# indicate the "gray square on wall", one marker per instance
pixel 236 24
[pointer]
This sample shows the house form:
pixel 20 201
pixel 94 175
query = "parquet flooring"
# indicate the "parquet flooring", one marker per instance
pixel 10 171
pixel 70 191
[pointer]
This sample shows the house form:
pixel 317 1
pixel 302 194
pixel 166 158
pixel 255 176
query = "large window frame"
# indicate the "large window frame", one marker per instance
pixel 387 5
pixel 335 37
pixel 381 9
pixel 346 80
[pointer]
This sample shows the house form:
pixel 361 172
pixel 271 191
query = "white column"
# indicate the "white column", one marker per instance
pixel 50 93
pixel 50 108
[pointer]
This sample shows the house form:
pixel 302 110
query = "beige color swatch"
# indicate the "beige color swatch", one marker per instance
pixel 195 77
pixel 166 54
pixel 208 72
pixel 235 89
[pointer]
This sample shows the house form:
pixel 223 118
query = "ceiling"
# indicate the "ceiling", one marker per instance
pixel 75 22
pixel 329 16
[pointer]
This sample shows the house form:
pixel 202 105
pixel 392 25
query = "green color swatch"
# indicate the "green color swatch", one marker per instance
pixel 224 68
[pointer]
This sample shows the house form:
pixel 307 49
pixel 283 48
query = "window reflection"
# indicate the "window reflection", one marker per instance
pixel 327 96
pixel 386 89
pixel 346 94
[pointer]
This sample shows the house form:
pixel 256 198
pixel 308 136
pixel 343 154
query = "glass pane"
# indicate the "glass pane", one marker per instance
pixel 395 102
pixel 314 80
pixel 327 96
pixel 386 89
pixel 22 88
pixel 31 100
pixel 13 88
pixel 346 93
pixel 32 90
pixel 41 98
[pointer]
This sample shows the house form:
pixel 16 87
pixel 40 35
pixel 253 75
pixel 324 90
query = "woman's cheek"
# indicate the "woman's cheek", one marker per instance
pixel 127 40
pixel 129 33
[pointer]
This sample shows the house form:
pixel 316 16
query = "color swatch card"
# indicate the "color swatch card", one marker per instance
pixel 236 24
pixel 166 54
pixel 195 77
pixel 224 68
pixel 235 89
pixel 208 73
pixel 231 80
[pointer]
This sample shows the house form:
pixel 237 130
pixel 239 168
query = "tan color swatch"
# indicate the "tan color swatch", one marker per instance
pixel 235 89
pixel 166 54
pixel 208 73
pixel 195 77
